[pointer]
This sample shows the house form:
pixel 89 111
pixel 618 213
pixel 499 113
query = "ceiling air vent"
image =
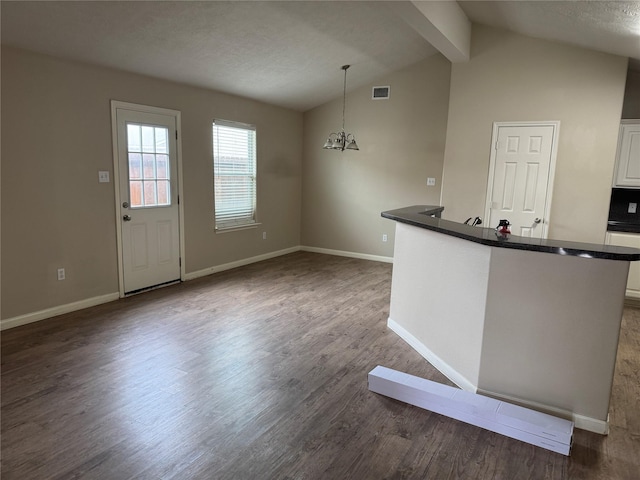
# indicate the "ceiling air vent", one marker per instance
pixel 380 93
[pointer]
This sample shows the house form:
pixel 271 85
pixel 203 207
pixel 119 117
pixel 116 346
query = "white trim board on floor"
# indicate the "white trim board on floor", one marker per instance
pixel 530 426
pixel 580 421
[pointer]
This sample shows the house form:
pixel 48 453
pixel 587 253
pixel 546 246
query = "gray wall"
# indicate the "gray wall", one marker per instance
pixel 631 107
pixel 56 135
pixel 401 144
pixel 512 78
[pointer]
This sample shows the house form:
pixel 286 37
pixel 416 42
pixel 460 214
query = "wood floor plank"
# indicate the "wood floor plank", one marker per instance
pixel 261 373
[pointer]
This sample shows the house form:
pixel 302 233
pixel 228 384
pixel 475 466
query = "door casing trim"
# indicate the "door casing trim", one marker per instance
pixel 118 105
pixel 552 167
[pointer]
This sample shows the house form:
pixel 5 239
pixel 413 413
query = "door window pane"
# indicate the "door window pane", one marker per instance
pixel 163 192
pixel 135 193
pixel 148 164
pixel 147 150
pixel 149 192
pixel 162 145
pixel 135 166
pixel 148 142
pixel 133 138
pixel 162 166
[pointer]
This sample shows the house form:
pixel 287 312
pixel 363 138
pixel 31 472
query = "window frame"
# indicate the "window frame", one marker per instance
pixel 143 177
pixel 225 222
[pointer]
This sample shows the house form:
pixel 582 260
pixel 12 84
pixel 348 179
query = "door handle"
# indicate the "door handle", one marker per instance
pixel 126 218
pixel 537 220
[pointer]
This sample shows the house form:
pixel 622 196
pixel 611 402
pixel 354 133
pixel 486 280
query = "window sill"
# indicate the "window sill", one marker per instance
pixel 235 228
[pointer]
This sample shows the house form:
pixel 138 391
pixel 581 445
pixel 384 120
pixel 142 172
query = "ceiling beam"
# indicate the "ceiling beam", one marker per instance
pixel 443 24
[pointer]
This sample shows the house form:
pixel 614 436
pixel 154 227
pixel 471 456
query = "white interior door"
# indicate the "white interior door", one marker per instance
pixel 520 178
pixel 148 211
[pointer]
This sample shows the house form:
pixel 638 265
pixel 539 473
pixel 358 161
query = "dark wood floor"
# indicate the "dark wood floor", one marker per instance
pixel 261 373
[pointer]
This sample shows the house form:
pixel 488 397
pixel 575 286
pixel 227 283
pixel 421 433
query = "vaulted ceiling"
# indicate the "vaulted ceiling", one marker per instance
pixel 289 53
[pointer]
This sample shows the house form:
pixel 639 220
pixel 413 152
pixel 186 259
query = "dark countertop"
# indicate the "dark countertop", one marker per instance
pixel 420 216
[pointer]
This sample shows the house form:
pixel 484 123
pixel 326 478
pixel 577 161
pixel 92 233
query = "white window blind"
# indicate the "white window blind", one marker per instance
pixel 234 171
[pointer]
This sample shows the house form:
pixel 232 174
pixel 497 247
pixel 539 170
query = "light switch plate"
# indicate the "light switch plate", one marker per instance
pixel 431 182
pixel 633 208
pixel 103 176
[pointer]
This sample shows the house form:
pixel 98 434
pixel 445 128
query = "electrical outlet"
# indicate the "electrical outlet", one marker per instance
pixel 264 235
pixel 633 208
pixel 431 182
pixel 61 274
pixel 384 237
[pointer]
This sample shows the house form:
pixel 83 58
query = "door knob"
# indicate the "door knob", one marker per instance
pixel 537 220
pixel 126 218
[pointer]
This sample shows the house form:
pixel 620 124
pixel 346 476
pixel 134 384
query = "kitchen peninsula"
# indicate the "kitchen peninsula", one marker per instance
pixel 530 321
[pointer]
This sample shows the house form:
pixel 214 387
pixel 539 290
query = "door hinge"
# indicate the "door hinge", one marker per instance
pixel 176 134
pixel 178 199
pixel 179 261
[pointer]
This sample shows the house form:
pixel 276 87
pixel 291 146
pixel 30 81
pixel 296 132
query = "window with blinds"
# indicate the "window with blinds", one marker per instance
pixel 234 171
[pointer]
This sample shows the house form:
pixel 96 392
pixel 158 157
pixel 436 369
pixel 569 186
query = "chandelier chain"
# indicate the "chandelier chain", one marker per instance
pixel 344 94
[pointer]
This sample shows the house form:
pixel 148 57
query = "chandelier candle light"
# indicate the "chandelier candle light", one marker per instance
pixel 341 140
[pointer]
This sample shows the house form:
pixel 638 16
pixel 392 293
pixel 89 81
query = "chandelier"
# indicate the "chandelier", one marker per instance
pixel 341 140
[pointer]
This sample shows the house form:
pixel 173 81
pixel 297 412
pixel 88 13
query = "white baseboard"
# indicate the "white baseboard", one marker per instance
pixel 632 294
pixel 444 368
pixel 239 263
pixel 341 253
pixel 591 424
pixel 584 423
pixel 55 311
pixel 91 302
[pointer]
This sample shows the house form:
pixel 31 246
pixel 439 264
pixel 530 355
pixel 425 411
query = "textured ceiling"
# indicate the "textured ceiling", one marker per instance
pixel 285 53
pixel 612 27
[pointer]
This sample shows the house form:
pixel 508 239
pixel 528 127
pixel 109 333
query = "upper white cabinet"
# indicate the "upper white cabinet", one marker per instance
pixel 628 162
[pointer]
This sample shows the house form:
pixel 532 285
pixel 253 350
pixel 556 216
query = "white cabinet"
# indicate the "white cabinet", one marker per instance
pixel 628 160
pixel 628 240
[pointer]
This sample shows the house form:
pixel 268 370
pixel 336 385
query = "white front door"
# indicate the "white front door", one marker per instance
pixel 520 178
pixel 148 211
